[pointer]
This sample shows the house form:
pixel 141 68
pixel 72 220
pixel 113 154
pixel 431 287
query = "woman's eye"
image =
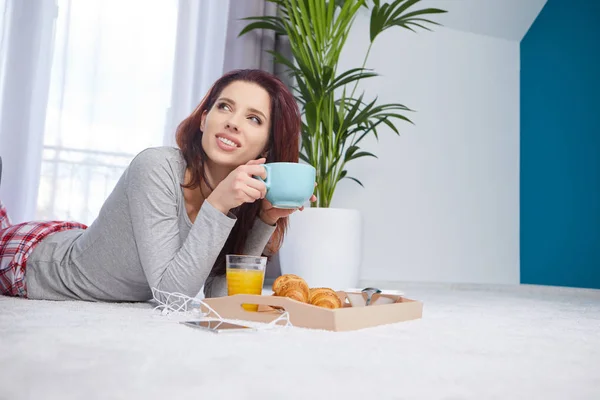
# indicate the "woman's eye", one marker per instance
pixel 256 119
pixel 224 106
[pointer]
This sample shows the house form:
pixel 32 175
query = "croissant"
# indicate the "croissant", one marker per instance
pixel 278 283
pixel 324 297
pixel 291 286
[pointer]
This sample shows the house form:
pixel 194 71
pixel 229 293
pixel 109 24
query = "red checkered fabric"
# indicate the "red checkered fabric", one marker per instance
pixel 16 244
pixel 4 220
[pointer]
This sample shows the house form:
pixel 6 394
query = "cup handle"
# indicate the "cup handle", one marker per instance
pixel 268 180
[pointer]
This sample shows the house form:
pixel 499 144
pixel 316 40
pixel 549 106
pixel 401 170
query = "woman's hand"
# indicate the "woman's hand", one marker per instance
pixel 240 187
pixel 269 214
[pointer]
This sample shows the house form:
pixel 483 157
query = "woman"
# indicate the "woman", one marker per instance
pixel 175 213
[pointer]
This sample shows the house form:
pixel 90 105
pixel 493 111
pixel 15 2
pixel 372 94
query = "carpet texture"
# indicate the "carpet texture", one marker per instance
pixel 474 342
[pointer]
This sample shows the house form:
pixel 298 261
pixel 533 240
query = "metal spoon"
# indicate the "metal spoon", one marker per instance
pixel 370 292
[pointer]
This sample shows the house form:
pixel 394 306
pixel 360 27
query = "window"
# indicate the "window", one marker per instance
pixel 109 94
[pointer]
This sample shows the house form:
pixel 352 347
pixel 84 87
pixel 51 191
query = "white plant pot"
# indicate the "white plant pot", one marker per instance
pixel 324 246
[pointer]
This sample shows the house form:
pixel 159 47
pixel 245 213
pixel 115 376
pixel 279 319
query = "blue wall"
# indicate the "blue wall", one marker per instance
pixel 560 146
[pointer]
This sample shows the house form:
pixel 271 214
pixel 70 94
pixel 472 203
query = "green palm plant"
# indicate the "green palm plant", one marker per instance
pixel 335 121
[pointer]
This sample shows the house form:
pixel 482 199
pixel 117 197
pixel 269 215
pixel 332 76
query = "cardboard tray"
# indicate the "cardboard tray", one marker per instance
pixel 305 315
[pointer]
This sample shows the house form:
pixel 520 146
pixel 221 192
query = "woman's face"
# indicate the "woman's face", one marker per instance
pixel 236 129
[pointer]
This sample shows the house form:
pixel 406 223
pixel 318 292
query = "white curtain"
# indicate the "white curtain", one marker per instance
pixel 25 55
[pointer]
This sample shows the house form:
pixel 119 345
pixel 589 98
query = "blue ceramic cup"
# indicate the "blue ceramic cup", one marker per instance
pixel 289 185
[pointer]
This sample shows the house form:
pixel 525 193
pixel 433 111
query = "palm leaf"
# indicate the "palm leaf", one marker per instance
pixel 397 14
pixel 355 180
pixel 265 22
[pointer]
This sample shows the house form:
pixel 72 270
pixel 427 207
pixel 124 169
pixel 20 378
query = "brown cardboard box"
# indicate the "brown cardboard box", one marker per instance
pixel 305 315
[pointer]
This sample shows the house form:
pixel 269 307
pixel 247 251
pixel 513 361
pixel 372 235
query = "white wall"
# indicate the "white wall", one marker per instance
pixel 508 19
pixel 442 201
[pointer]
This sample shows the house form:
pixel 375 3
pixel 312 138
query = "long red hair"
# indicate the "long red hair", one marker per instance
pixel 283 146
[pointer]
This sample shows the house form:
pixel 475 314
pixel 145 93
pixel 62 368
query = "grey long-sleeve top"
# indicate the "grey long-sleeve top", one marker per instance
pixel 142 238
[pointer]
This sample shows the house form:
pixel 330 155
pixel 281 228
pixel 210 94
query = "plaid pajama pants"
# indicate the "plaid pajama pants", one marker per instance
pixel 16 244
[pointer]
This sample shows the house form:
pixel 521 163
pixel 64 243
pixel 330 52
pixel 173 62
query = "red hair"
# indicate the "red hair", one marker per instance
pixel 282 146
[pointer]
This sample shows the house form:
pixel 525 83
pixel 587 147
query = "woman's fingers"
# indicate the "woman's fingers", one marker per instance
pixel 256 162
pixel 252 193
pixel 258 185
pixel 255 170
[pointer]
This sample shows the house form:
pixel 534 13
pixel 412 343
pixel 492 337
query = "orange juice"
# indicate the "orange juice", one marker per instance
pixel 245 281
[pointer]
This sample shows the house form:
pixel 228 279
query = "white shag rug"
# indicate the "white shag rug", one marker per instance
pixel 473 342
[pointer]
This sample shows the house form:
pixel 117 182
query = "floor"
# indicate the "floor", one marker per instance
pixel 473 342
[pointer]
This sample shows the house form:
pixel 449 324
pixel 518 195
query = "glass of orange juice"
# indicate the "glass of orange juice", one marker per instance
pixel 245 275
